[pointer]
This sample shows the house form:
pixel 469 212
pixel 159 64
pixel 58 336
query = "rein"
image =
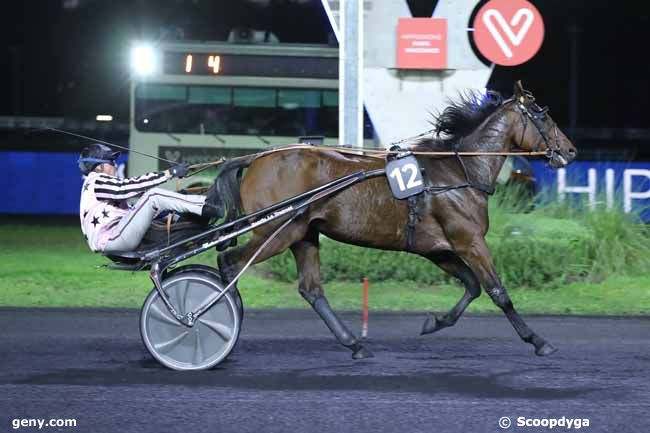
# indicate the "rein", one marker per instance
pixel 373 153
pixel 382 153
pixel 377 153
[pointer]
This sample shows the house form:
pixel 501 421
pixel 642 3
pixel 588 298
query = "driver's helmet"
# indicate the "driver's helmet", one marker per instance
pixel 94 155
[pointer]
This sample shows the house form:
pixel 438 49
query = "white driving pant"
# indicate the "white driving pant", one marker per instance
pixel 128 233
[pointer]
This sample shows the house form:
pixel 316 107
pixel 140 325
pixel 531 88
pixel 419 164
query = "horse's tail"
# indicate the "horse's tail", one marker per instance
pixel 224 192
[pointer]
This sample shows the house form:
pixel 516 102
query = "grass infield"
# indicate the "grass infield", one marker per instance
pixel 52 267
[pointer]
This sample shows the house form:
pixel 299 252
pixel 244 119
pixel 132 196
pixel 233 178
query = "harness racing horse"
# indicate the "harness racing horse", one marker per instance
pixel 451 215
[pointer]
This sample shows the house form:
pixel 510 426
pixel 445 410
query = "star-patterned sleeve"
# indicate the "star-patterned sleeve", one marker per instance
pixel 112 188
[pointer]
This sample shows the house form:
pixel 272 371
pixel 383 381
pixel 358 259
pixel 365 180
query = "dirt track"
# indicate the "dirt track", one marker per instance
pixel 288 375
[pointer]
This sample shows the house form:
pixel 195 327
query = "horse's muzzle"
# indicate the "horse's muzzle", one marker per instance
pixel 557 161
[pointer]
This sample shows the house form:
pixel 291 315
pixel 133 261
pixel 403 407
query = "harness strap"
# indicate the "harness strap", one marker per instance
pixel 435 190
pixel 488 189
pixel 413 217
pixel 169 228
pixel 484 187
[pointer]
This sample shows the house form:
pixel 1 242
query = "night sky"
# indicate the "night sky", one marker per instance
pixel 70 57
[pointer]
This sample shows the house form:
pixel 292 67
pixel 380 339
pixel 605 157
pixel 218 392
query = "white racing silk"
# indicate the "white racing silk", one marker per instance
pixel 103 203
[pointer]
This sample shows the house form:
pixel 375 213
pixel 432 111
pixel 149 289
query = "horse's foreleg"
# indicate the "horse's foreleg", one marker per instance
pixel 454 266
pixel 308 264
pixel 478 259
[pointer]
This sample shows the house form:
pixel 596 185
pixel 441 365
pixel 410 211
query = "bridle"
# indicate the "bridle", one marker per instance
pixel 537 115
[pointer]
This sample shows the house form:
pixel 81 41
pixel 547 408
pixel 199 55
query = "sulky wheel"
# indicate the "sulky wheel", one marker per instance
pixel 195 267
pixel 201 346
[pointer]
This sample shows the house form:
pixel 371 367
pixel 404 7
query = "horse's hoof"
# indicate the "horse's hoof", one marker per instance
pixel 546 350
pixel 362 353
pixel 431 325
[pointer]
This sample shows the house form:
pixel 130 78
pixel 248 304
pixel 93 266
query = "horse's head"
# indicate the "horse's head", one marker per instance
pixel 534 130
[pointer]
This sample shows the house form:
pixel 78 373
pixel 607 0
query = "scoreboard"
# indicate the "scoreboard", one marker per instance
pixel 192 63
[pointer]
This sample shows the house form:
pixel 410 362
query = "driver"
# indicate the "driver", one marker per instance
pixel 107 222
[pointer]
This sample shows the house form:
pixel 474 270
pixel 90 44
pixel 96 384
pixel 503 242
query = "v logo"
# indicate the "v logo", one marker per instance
pixel 492 17
pixel 173 155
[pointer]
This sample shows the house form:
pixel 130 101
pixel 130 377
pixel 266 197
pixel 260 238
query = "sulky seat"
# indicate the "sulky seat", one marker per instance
pixel 162 233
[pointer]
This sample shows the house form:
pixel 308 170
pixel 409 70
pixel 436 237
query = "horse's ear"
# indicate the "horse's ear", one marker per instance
pixel 519 91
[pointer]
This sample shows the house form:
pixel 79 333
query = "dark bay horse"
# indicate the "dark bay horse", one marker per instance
pixel 451 222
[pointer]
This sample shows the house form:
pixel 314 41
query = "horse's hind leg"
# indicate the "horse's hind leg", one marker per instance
pixel 308 264
pixel 454 266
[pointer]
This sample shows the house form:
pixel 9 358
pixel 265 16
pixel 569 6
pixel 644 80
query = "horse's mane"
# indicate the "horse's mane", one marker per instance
pixel 461 118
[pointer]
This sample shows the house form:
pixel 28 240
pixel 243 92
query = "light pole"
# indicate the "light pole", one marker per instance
pixel 351 73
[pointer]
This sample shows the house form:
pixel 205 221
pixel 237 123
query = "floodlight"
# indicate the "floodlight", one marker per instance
pixel 143 59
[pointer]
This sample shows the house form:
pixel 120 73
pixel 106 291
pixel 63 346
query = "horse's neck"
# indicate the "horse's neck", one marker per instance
pixel 491 136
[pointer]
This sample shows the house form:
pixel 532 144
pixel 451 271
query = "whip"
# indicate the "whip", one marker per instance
pixel 197 167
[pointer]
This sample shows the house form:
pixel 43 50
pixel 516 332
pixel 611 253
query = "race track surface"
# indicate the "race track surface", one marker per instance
pixel 287 374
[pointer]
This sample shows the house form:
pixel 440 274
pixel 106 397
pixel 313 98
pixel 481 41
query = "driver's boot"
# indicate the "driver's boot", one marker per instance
pixel 210 211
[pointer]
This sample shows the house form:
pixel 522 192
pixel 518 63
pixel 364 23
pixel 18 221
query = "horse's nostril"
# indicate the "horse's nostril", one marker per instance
pixel 572 152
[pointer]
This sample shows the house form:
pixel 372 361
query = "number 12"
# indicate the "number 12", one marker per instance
pixel 413 181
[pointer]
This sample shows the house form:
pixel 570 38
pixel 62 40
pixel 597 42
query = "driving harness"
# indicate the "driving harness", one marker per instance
pixel 532 112
pixel 414 201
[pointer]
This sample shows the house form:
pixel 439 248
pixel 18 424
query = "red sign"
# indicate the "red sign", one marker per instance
pixel 508 32
pixel 422 43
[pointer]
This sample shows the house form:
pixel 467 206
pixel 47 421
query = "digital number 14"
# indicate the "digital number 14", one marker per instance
pixel 214 63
